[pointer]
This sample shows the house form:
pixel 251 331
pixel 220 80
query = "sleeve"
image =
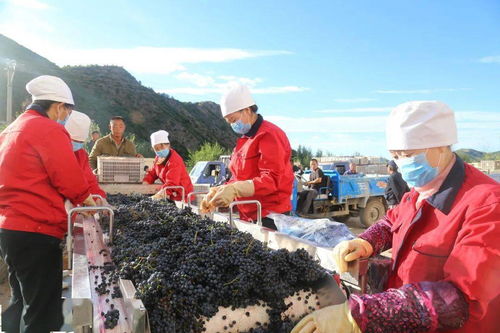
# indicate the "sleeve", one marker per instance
pixel 173 175
pixel 270 165
pixel 379 235
pixel 89 176
pixel 62 167
pixel 474 262
pixel 131 150
pixel 96 151
pixel 416 307
pixel 151 175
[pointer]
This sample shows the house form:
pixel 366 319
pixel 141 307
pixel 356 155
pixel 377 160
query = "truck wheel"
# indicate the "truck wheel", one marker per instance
pixel 373 212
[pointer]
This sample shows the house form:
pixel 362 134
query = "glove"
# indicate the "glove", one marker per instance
pixel 89 202
pixel 205 206
pixel 332 319
pixel 159 195
pixel 347 251
pixel 227 193
pixel 101 202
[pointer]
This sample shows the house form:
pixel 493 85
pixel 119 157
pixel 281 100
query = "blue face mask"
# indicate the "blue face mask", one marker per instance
pixel 77 145
pixel 163 153
pixel 241 128
pixel 416 170
pixel 63 122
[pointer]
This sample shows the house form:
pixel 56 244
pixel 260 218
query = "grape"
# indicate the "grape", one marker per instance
pixel 185 267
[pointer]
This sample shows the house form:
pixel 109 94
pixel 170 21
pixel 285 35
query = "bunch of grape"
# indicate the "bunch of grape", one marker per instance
pixel 185 267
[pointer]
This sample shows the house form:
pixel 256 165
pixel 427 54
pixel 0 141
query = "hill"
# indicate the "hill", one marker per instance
pixel 106 91
pixel 471 155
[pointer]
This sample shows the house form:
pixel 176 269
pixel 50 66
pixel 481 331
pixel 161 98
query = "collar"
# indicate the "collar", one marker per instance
pixel 443 199
pixel 113 140
pixel 255 127
pixel 38 109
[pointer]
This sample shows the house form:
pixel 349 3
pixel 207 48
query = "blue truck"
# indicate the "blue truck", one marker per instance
pixel 346 196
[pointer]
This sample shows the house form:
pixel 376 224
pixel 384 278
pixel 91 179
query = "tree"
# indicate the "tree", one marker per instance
pixel 207 152
pixel 304 155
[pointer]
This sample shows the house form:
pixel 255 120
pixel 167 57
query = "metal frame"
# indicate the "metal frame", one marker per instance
pixel 245 202
pixel 164 190
pixel 190 194
pixel 69 238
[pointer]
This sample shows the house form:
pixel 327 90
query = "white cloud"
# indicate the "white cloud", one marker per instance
pixel 156 60
pixel 419 91
pixel 29 4
pixel 490 59
pixel 357 110
pixel 217 84
pixel 353 100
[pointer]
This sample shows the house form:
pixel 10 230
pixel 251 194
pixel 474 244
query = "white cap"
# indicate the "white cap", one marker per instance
pixel 159 137
pixel 421 125
pixel 51 88
pixel 78 126
pixel 235 99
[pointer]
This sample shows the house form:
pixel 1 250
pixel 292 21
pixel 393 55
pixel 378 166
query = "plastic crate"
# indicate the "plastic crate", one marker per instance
pixel 111 169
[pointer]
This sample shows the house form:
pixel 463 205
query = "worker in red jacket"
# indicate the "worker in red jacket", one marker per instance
pixel 260 163
pixel 444 236
pixel 38 171
pixel 78 126
pixel 169 167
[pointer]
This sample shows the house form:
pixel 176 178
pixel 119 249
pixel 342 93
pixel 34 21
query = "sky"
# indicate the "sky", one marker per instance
pixel 327 72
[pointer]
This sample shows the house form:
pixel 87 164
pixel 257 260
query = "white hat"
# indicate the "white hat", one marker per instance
pixel 159 137
pixel 51 88
pixel 235 99
pixel 421 125
pixel 78 126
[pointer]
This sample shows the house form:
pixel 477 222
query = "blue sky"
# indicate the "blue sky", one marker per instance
pixel 327 72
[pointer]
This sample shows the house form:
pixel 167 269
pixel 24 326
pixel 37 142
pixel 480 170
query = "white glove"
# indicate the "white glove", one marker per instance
pixel 204 205
pixel 160 195
pixel 351 250
pixel 332 319
pixel 227 193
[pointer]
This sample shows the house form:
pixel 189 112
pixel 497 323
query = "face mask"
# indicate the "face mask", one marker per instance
pixel 241 128
pixel 416 170
pixel 63 122
pixel 77 145
pixel 163 153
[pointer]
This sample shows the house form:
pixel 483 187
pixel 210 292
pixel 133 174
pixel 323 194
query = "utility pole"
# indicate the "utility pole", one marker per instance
pixel 11 69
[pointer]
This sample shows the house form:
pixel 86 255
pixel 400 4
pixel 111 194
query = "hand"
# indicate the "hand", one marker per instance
pixel 160 195
pixel 347 251
pixel 331 319
pixel 204 205
pixel 139 155
pixel 381 184
pixel 227 193
pixel 89 202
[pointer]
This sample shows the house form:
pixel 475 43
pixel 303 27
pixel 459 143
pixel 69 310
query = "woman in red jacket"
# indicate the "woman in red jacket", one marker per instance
pixel 38 171
pixel 169 167
pixel 78 126
pixel 260 163
pixel 444 236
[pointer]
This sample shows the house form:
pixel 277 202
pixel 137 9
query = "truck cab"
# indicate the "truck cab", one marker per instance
pixel 209 172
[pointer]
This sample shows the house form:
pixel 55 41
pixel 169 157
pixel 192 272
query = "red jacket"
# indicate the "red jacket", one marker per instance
pixel 455 237
pixel 38 170
pixel 263 155
pixel 83 159
pixel 172 173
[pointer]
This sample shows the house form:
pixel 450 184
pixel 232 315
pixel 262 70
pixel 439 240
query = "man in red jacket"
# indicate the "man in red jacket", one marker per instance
pixel 444 236
pixel 78 126
pixel 38 171
pixel 169 167
pixel 260 163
